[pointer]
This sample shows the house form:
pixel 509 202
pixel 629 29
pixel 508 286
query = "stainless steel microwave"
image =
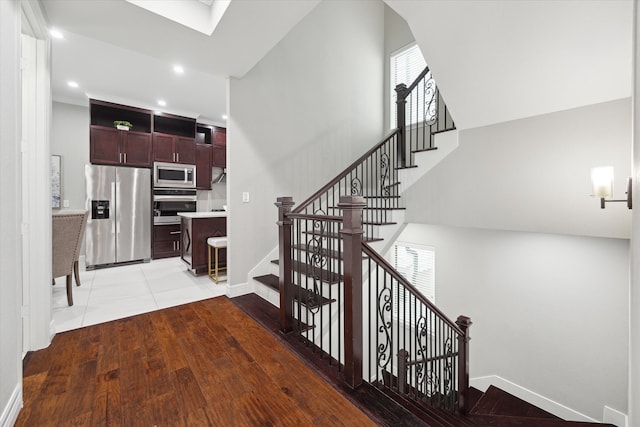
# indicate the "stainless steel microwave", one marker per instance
pixel 174 175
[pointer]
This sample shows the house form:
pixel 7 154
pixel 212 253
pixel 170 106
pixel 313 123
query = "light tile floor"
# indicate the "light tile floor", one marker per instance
pixel 114 293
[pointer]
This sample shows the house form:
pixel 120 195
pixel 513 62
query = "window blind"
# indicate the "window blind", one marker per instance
pixel 406 65
pixel 417 264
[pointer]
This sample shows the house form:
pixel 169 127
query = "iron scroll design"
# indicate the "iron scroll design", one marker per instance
pixel 384 172
pixel 384 348
pixel 431 104
pixel 317 259
pixel 356 186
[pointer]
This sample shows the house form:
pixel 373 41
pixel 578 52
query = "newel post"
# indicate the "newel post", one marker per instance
pixel 463 323
pixel 352 248
pixel 401 103
pixel 284 205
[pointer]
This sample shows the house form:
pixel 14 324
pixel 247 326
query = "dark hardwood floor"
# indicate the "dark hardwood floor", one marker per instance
pixel 200 364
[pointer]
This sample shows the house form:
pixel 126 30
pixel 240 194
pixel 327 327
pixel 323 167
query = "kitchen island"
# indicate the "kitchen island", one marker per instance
pixel 196 228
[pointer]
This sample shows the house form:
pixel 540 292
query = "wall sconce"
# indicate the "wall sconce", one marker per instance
pixel 602 181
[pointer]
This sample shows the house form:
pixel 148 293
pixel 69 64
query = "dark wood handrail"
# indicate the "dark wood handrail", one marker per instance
pixel 315 217
pixel 413 85
pixel 344 173
pixel 412 289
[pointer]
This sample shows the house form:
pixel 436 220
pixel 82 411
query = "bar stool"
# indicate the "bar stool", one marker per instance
pixel 216 243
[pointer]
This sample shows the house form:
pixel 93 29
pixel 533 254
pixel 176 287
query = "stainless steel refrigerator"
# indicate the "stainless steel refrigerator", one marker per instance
pixel 119 223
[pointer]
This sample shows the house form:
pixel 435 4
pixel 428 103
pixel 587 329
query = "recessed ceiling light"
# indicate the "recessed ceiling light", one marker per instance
pixel 73 84
pixel 225 117
pixel 178 69
pixel 162 103
pixel 56 34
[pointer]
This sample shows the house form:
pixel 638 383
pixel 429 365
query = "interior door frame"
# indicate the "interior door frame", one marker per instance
pixel 37 324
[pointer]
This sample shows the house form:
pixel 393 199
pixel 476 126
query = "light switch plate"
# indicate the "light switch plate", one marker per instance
pixel 245 197
pixel 65 203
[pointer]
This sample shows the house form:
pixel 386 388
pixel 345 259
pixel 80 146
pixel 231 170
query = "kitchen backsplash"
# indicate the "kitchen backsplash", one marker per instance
pixel 212 199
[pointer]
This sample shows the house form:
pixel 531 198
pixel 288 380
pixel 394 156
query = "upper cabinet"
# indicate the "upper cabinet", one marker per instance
pixel 204 138
pixel 155 137
pixel 219 154
pixel 110 146
pixel 173 149
pixel 203 166
pixel 174 139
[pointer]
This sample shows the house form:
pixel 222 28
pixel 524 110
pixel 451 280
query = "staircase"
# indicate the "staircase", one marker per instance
pixel 346 309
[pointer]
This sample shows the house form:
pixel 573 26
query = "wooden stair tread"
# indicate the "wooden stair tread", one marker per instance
pixel 496 401
pixel 422 150
pixel 306 297
pixel 310 299
pixel 325 276
pixel 407 167
pixel 270 280
pixel 497 407
pixel 378 223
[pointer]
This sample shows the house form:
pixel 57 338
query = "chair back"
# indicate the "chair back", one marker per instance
pixel 67 232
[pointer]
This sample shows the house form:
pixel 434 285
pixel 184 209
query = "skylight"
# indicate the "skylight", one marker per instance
pixel 199 15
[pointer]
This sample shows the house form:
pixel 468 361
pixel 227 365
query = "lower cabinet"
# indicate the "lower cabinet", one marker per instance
pixel 166 241
pixel 195 232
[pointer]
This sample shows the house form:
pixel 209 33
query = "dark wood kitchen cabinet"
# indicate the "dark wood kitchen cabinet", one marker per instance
pixel 109 146
pixel 174 149
pixel 195 232
pixel 174 139
pixel 203 166
pixel 166 241
pixel 219 151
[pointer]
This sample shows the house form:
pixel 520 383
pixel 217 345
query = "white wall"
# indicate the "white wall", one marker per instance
pixel 10 213
pixel 299 117
pixel 549 312
pixel 70 139
pixel 634 292
pixel 532 175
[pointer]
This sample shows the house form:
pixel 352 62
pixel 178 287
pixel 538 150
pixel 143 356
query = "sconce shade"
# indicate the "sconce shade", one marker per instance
pixel 602 181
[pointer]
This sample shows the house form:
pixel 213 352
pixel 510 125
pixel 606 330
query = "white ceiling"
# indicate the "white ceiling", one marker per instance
pixel 499 60
pixel 494 60
pixel 120 52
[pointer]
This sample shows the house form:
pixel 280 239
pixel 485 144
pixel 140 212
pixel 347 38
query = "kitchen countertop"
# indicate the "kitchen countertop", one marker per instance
pixel 216 214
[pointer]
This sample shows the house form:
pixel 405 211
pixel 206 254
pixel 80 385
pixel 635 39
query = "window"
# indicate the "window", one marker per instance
pixel 406 64
pixel 417 264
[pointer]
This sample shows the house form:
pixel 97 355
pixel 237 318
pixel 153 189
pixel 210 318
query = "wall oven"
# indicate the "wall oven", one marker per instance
pixel 167 202
pixel 174 175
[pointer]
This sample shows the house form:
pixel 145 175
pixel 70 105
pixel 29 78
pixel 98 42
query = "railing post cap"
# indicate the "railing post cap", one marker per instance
pixel 347 202
pixel 464 321
pixel 284 201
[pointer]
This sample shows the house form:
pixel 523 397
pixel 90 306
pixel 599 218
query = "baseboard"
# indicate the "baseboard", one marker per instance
pixel 557 409
pixel 52 330
pixel 239 289
pixel 11 411
pixel 615 417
